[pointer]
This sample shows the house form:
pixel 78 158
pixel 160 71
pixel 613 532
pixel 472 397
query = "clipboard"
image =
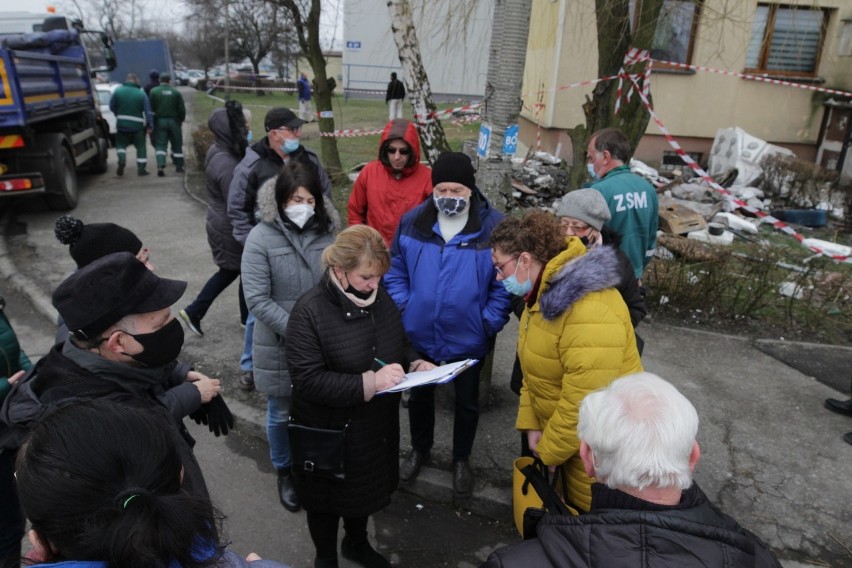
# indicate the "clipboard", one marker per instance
pixel 437 376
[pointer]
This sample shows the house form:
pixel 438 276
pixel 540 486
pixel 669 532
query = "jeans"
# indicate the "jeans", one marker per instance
pixel 215 286
pixel 323 529
pixel 421 414
pixel 246 361
pixel 277 418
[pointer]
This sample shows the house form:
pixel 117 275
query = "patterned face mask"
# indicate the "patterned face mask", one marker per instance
pixel 450 206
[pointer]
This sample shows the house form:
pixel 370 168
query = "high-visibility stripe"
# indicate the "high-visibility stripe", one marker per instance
pixel 128 117
pixel 6 95
pixel 12 141
pixel 41 98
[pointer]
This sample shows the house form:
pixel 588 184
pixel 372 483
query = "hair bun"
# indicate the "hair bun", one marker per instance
pixel 68 229
pixel 123 499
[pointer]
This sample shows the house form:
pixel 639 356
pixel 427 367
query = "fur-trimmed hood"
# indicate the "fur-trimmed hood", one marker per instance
pixel 572 275
pixel 267 210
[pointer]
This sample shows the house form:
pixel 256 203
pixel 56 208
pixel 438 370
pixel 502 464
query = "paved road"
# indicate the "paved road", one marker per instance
pixel 772 457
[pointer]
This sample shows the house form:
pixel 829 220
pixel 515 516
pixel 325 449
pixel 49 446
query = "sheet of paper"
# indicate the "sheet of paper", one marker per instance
pixel 438 375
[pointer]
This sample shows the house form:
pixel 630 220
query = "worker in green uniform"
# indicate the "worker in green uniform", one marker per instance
pixel 132 120
pixel 169 114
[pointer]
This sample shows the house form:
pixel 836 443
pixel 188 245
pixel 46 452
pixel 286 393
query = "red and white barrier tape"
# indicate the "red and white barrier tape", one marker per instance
pixel 430 117
pixel 351 133
pixel 687 159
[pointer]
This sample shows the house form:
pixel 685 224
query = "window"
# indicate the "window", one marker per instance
pixel 786 40
pixel 674 37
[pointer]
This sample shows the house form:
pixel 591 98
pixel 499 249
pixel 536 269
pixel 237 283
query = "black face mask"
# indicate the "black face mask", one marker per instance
pixel 357 293
pixel 585 241
pixel 160 347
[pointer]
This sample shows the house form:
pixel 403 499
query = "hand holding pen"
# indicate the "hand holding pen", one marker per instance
pixel 388 375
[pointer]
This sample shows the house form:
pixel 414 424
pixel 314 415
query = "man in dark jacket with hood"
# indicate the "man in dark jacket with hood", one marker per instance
pixel 637 439
pixel 392 185
pixel 263 161
pixel 123 347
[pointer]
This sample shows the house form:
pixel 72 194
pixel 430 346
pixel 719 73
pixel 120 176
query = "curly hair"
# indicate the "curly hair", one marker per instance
pixel 537 233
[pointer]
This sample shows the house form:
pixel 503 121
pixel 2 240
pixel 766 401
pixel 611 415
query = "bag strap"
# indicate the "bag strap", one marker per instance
pixel 538 476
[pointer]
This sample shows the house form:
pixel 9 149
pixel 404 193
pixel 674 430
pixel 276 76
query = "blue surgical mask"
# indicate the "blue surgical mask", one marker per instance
pixel 450 206
pixel 249 137
pixel 290 145
pixel 516 288
pixel 591 169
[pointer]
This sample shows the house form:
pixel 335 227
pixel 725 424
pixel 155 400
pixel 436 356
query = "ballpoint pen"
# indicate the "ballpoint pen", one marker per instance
pixel 380 362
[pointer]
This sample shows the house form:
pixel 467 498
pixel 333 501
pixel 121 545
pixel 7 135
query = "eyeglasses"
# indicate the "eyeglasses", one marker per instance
pixel 288 129
pixel 499 268
pixel 402 151
pixel 574 227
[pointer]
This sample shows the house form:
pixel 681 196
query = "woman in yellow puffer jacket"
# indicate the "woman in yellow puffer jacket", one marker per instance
pixel 575 334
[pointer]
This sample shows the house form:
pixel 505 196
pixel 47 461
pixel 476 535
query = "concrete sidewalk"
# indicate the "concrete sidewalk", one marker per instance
pixel 772 457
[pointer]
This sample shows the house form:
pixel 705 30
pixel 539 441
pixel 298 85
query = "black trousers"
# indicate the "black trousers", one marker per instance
pixel 421 414
pixel 323 529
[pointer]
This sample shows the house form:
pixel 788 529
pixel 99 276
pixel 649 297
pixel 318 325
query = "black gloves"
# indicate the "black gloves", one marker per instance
pixel 216 415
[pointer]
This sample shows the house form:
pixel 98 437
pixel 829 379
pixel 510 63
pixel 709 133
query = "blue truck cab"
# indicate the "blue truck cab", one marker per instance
pixel 50 122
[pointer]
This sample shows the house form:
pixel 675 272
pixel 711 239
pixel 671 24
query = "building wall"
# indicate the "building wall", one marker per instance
pixel 693 106
pixel 333 67
pixel 456 60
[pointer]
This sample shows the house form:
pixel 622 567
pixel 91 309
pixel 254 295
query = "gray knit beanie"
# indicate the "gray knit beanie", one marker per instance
pixel 586 205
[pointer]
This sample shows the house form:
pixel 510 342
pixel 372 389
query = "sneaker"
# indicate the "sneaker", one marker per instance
pixel 246 381
pixel 119 171
pixel 143 173
pixel 192 322
pixel 161 173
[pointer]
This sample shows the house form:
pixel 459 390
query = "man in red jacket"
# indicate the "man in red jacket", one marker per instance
pixel 394 184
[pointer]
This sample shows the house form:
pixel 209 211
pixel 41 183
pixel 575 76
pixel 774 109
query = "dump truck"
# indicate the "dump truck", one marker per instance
pixel 50 121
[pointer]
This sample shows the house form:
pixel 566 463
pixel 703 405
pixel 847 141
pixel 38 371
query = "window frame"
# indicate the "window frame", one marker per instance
pixel 693 34
pixel 765 46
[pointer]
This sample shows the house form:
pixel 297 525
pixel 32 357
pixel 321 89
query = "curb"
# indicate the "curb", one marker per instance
pixel 432 484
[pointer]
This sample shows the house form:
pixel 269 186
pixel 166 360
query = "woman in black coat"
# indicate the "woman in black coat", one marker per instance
pixel 345 344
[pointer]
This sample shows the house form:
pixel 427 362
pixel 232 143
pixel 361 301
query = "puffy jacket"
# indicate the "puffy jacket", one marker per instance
pixel 218 171
pixel 229 559
pixel 695 536
pixel 132 110
pixel 635 213
pixel 331 342
pixel 167 102
pixel 452 305
pixel 575 339
pixel 261 163
pixel 379 198
pixel 280 263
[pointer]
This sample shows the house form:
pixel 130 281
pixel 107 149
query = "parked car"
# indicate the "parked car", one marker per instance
pixel 105 91
pixel 195 76
pixel 181 78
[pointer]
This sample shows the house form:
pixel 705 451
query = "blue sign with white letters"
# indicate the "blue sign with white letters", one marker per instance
pixel 484 140
pixel 353 45
pixel 510 140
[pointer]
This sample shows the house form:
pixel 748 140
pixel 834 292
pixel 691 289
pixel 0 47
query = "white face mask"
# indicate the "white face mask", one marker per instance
pixel 299 213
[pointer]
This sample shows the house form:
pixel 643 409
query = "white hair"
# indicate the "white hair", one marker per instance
pixel 641 431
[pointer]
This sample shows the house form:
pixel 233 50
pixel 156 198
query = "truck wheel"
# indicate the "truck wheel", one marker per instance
pixel 98 164
pixel 62 182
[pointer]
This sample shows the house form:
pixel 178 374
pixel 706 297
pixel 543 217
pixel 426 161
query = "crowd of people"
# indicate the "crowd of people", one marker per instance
pixel 94 451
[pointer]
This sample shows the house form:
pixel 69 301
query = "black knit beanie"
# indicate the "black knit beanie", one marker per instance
pixel 91 242
pixel 454 167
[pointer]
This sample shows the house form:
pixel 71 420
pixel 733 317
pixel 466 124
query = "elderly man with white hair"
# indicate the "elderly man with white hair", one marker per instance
pixel 637 439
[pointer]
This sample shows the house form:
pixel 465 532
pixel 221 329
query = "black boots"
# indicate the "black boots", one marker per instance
pixel 462 479
pixel 363 554
pixel 411 466
pixel 286 493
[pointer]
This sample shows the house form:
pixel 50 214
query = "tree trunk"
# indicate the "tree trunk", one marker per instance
pixel 614 40
pixel 432 137
pixel 502 106
pixel 308 35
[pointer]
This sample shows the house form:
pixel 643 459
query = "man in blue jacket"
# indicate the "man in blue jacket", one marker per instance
pixel 442 279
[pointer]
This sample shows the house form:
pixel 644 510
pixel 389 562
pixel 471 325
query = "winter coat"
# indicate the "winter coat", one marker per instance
pixel 280 263
pixel 379 198
pixel 634 213
pixel 396 90
pixel 68 374
pixel 132 110
pixel 303 86
pixel 167 102
pixel 627 285
pixel 694 535
pixel 218 171
pixel 331 342
pixel 261 163
pixel 451 302
pixel 575 339
pixel 12 357
pixel 229 559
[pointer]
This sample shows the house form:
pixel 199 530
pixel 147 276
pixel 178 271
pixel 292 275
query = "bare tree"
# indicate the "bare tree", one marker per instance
pixel 502 104
pixel 306 19
pixel 432 137
pixel 255 27
pixel 205 36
